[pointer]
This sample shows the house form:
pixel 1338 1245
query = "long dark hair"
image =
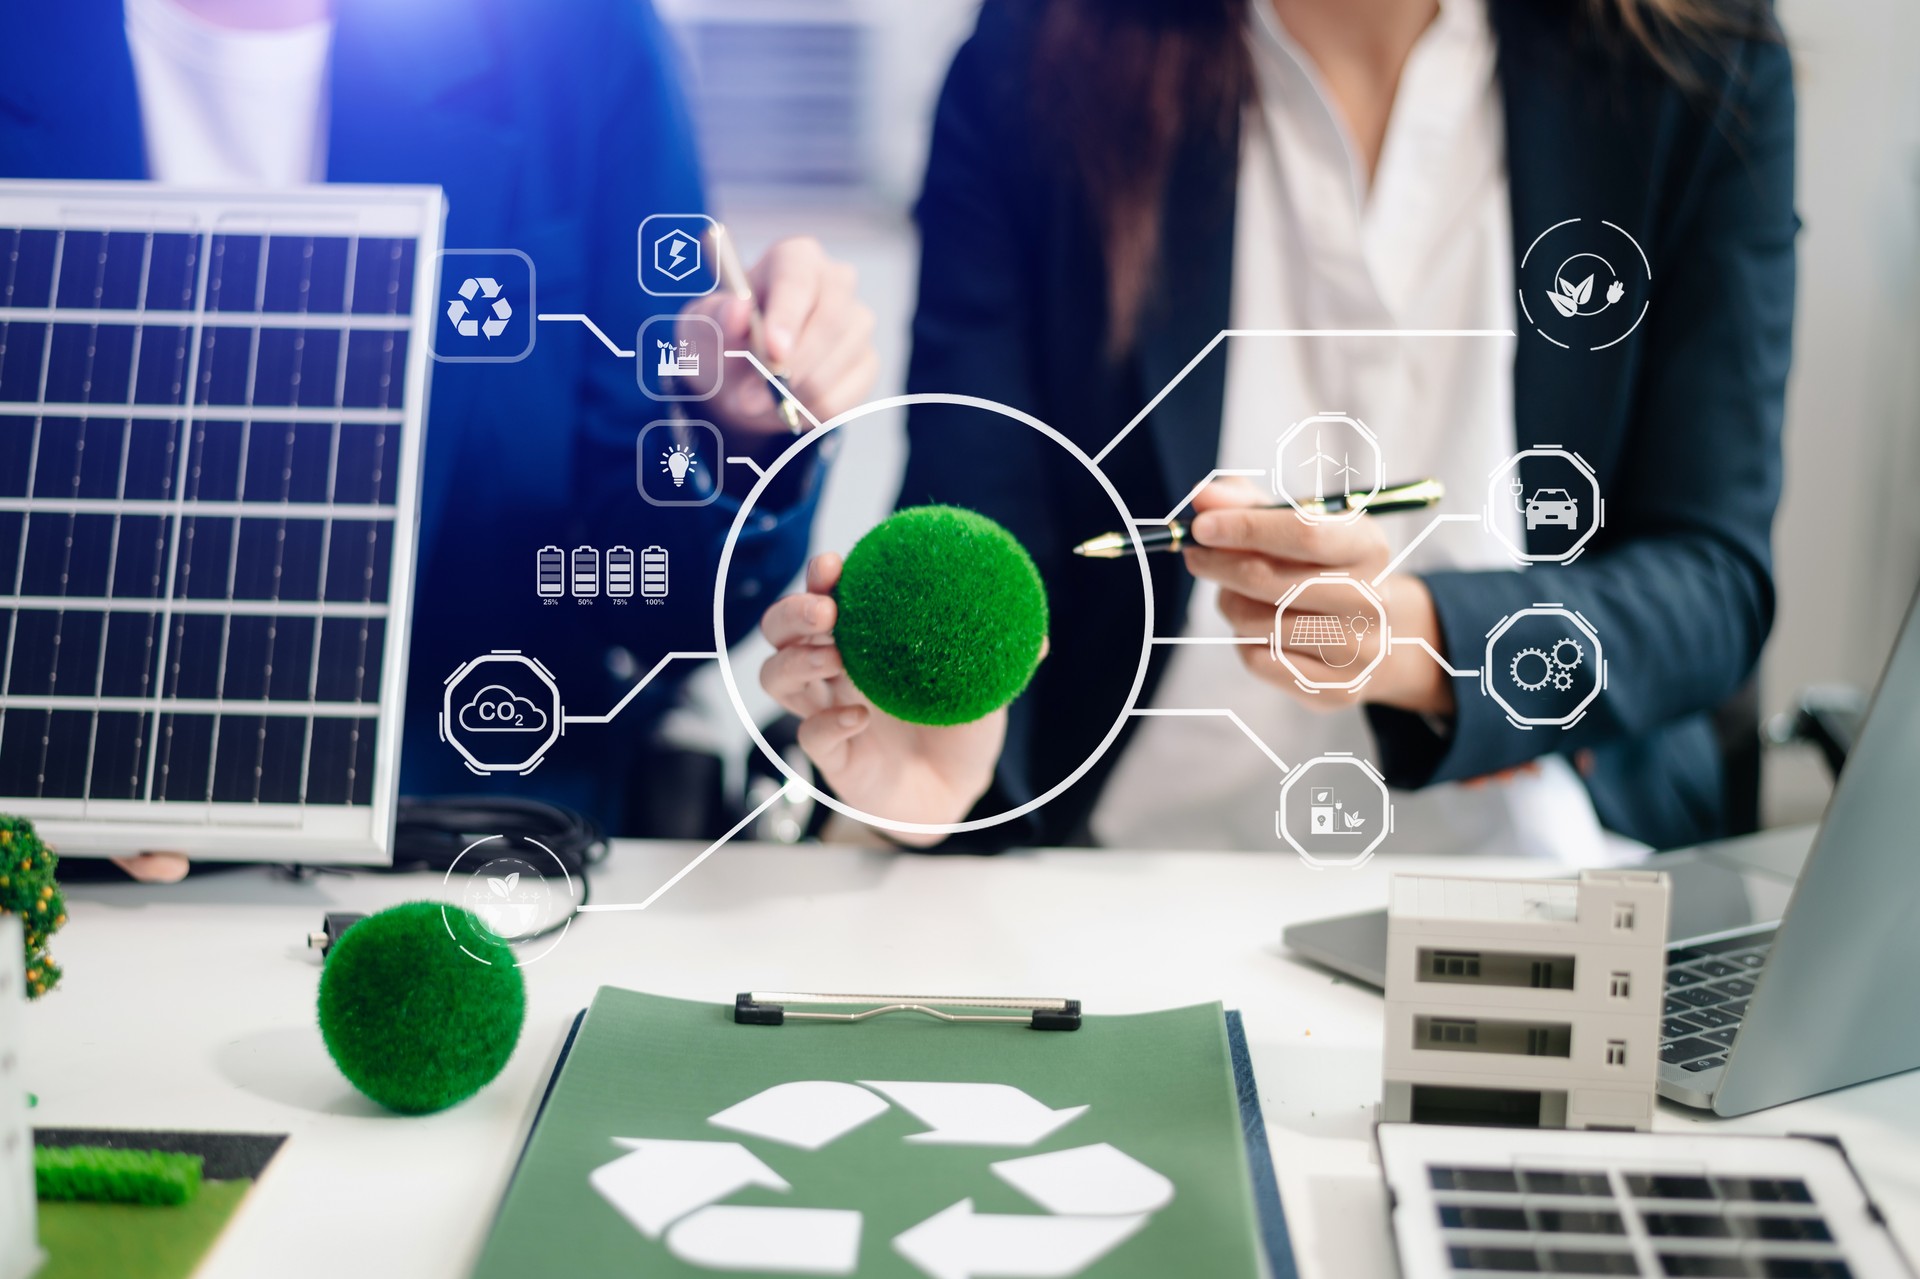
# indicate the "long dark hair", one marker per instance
pixel 1124 82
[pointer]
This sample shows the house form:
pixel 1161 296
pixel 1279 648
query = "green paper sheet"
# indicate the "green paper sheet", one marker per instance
pixel 1158 1087
pixel 136 1241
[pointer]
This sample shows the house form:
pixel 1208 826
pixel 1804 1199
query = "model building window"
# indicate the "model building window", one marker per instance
pixel 1620 986
pixel 1623 915
pixel 1442 1030
pixel 1616 1052
pixel 1456 963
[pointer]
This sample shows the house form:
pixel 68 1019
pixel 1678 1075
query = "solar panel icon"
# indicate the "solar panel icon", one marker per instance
pixel 620 572
pixel 210 442
pixel 550 565
pixel 653 573
pixel 586 572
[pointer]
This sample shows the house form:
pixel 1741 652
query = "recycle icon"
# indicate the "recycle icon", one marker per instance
pixel 1095 1197
pixel 464 322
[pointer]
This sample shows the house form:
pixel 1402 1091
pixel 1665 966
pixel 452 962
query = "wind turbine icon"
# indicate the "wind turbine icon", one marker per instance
pixel 1346 473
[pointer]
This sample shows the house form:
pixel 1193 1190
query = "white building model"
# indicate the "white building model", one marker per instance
pixel 19 1256
pixel 1528 1003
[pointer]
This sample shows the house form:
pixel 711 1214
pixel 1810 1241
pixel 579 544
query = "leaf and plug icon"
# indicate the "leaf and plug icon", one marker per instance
pixel 1568 298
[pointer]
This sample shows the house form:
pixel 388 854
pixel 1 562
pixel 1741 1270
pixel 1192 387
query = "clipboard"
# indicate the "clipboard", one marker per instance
pixel 1274 1241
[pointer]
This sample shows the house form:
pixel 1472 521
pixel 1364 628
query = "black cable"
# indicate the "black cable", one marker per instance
pixel 431 833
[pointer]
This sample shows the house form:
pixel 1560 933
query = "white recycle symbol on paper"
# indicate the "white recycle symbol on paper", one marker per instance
pixel 464 323
pixel 1096 1197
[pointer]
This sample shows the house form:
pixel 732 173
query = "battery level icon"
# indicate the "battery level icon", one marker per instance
pixel 653 573
pixel 586 571
pixel 551 572
pixel 620 572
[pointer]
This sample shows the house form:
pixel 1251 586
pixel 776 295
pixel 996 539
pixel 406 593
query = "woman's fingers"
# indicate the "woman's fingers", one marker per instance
pixel 798 676
pixel 1285 534
pixel 826 736
pixel 1258 576
pixel 795 619
pixel 823 573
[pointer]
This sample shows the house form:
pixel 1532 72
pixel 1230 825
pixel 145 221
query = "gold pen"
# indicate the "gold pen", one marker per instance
pixel 733 277
pixel 1173 536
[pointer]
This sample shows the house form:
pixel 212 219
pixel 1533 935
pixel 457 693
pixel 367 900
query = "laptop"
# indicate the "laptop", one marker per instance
pixel 1792 954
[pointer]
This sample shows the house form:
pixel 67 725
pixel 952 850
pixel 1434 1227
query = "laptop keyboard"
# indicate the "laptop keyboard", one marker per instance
pixel 1707 990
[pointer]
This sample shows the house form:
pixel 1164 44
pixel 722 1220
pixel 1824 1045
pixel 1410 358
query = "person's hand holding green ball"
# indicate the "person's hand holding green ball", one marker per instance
pixel 901 660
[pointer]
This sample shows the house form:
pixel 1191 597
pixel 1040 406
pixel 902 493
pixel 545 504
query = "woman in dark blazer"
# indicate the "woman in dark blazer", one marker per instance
pixel 1078 250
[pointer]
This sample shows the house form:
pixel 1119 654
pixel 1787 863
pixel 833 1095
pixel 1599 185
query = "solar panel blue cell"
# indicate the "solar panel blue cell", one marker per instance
pixel 78 457
pixel 375 375
pixel 132 646
pixel 173 272
pixel 161 375
pixel 295 366
pixel 117 767
pixel 306 274
pixel 153 449
pixel 102 269
pixel 234 273
pixel 89 364
pixel 22 345
pixel 182 762
pixel 26 266
pixel 382 277
pixel 140 557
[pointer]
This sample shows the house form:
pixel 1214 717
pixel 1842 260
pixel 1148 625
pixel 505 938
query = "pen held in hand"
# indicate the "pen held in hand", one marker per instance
pixel 733 277
pixel 1174 535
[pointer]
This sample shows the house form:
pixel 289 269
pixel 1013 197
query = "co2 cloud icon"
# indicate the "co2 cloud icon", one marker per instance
pixel 498 709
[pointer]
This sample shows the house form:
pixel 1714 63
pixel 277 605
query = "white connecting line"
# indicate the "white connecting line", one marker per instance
pixel 1150 712
pixel 778 385
pixel 1415 641
pixel 1181 505
pixel 1224 334
pixel 592 328
pixel 686 870
pixel 632 692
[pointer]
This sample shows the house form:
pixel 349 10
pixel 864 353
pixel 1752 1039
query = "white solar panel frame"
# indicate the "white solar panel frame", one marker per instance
pixel 226 831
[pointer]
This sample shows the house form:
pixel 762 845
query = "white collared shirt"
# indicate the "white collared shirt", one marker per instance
pixel 1428 246
pixel 221 106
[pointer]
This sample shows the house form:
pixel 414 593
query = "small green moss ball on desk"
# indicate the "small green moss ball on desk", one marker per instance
pixel 413 1020
pixel 942 615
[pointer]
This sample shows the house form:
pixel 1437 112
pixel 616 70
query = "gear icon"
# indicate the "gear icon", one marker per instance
pixel 1547 669
pixel 1563 679
pixel 1567 654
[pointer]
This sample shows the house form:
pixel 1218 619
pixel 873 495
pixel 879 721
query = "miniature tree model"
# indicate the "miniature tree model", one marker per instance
pixel 27 890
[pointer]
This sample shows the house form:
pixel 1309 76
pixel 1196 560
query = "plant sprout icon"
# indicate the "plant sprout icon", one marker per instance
pixel 677 461
pixel 1568 296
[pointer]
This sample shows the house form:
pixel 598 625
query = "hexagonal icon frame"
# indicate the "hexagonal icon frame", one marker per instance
pixel 1339 759
pixel 1580 464
pixel 1308 508
pixel 650 242
pixel 1489 669
pixel 1278 649
pixel 449 718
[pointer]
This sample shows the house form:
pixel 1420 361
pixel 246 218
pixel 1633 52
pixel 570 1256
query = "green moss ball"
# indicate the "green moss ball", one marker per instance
pixel 942 615
pixel 413 1020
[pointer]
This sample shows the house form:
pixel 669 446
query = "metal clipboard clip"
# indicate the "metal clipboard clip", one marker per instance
pixel 774 1008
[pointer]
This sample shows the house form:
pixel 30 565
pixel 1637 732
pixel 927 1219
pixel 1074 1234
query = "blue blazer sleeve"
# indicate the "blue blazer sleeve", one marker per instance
pixel 1679 584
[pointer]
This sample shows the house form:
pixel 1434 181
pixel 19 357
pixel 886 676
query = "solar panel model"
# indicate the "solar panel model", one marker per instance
pixel 211 425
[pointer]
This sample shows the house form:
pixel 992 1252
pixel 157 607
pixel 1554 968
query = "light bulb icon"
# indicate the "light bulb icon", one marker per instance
pixel 677 461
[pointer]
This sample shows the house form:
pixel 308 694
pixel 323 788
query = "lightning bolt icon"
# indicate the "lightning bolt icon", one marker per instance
pixel 679 252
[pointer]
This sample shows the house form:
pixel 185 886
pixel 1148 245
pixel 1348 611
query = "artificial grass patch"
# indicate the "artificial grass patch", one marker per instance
pixel 96 1174
pixel 414 1018
pixel 942 615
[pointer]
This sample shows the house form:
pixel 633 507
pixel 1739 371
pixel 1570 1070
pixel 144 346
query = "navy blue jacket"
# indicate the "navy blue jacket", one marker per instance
pixel 1681 422
pixel 554 129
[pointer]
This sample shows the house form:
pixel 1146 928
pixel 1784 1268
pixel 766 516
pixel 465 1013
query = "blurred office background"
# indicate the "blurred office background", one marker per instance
pixel 815 116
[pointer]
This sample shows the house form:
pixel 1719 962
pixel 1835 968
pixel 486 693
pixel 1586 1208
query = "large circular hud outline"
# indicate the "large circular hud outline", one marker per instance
pixel 725 663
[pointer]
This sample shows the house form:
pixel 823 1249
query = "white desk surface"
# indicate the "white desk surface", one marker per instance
pixel 192 1006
